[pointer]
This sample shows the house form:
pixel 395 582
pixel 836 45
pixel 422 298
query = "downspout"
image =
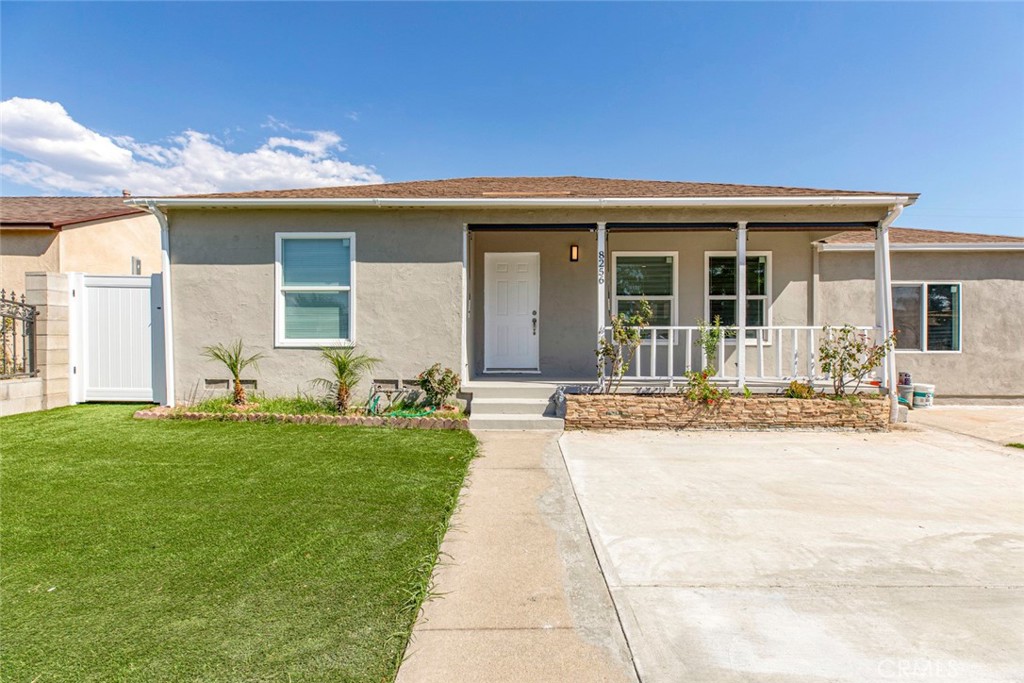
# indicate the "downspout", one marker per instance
pixel 887 318
pixel 165 291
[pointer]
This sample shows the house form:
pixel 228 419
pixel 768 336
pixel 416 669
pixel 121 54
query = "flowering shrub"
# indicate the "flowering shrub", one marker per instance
pixel 627 333
pixel 847 356
pixel 438 385
pixel 699 390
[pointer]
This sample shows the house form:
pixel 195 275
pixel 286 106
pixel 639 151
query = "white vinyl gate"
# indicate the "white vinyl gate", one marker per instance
pixel 116 338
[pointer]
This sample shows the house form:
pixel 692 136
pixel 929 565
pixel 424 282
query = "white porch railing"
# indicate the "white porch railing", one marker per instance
pixel 775 354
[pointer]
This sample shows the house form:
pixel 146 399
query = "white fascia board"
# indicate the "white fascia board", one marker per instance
pixel 524 202
pixel 935 246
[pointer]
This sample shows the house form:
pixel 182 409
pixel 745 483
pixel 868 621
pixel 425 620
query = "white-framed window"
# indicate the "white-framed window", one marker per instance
pixel 927 316
pixel 315 280
pixel 650 275
pixel 720 289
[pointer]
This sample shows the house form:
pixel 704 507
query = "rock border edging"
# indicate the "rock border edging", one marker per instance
pixel 334 420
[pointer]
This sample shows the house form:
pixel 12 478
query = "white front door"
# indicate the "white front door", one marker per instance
pixel 511 312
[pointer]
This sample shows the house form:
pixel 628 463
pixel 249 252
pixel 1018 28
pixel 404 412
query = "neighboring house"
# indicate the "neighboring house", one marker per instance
pixel 95 235
pixel 512 278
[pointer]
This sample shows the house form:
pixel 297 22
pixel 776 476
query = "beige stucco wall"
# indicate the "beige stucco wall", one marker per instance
pixel 98 248
pixel 27 251
pixel 409 282
pixel 991 363
pixel 106 247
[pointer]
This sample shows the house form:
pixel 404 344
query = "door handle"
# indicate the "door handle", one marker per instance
pixel 534 327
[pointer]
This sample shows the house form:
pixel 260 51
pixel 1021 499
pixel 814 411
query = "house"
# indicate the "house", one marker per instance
pixel 512 279
pixel 96 235
pixel 954 306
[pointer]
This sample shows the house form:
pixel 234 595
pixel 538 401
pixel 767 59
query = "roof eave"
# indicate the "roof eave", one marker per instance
pixel 524 202
pixel 926 246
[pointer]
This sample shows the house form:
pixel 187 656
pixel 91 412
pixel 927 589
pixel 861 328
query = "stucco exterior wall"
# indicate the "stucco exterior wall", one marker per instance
pixel 408 292
pixel 27 251
pixel 568 309
pixel 106 247
pixel 409 282
pixel 991 363
pixel 98 248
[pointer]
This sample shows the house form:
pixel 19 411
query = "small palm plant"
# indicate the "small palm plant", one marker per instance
pixel 347 368
pixel 234 359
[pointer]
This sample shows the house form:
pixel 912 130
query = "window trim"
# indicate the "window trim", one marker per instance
pixel 767 296
pixel 674 298
pixel 280 341
pixel 922 285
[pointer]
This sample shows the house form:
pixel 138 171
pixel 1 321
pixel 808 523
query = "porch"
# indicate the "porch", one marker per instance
pixel 539 295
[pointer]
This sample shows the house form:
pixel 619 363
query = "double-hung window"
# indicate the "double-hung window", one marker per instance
pixel 720 286
pixel 926 316
pixel 646 275
pixel 315 296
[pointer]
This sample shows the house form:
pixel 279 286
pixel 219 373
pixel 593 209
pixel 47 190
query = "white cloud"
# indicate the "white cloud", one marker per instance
pixel 62 155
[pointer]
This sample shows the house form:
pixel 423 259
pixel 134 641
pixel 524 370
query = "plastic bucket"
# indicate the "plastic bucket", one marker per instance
pixel 906 394
pixel 924 395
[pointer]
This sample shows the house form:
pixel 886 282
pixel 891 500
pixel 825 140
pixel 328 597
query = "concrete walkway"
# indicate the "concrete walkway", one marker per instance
pixel 522 596
pixel 999 424
pixel 800 557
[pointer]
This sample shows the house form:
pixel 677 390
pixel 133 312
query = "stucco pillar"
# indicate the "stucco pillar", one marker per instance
pixel 49 292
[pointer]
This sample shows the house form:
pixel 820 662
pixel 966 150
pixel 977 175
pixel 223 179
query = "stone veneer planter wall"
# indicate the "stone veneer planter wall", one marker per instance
pixel 338 420
pixel 671 411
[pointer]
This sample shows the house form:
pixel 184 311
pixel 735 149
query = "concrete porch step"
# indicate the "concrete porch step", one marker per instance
pixel 505 390
pixel 512 406
pixel 515 422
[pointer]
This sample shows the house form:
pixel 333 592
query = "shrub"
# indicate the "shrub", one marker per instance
pixel 699 390
pixel 627 333
pixel 848 355
pixel 234 359
pixel 709 336
pixel 799 390
pixel 438 385
pixel 347 369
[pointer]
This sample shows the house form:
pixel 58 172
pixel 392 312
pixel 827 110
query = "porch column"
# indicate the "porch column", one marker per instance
pixel 464 371
pixel 883 282
pixel 741 303
pixel 601 276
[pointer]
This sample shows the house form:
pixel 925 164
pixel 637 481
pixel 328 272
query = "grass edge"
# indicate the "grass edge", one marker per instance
pixel 422 589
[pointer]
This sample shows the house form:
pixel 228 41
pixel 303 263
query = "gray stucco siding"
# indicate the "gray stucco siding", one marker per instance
pixel 408 290
pixel 568 315
pixel 408 284
pixel 991 363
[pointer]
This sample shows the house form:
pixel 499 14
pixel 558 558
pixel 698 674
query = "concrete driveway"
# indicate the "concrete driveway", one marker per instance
pixel 809 556
pixel 999 424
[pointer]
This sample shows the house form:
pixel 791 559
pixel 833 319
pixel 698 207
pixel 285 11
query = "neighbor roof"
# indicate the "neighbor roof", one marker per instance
pixel 920 236
pixel 553 187
pixel 56 212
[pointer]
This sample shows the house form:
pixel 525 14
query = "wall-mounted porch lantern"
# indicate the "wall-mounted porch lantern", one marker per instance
pixel 574 253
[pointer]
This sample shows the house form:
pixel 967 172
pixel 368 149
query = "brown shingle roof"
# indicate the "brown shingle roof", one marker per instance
pixel 919 236
pixel 55 212
pixel 541 187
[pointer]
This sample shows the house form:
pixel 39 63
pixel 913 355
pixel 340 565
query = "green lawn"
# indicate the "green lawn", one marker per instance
pixel 184 551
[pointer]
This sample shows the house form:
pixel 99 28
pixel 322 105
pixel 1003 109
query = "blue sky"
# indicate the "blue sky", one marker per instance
pixel 903 97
